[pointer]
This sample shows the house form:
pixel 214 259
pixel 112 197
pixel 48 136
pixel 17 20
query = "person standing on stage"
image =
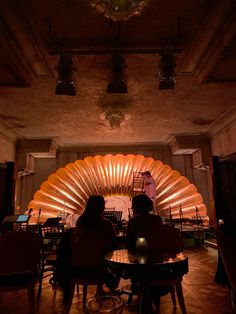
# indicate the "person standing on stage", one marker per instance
pixel 149 186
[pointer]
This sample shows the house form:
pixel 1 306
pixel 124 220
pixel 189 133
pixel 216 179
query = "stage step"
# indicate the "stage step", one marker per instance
pixel 211 243
pixel 193 238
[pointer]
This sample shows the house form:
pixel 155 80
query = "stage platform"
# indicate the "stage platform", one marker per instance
pixel 195 235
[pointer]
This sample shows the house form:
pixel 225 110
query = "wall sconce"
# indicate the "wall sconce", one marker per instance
pixel 65 83
pixel 167 70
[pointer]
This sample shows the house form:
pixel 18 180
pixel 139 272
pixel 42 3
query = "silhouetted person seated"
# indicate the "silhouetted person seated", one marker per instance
pixel 159 238
pixel 144 223
pixel 82 249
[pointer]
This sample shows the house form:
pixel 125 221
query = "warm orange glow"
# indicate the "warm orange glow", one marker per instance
pixel 68 189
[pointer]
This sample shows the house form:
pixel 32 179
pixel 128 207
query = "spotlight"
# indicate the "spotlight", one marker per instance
pixel 117 87
pixel 118 84
pixel 65 83
pixel 63 88
pixel 167 70
pixel 166 84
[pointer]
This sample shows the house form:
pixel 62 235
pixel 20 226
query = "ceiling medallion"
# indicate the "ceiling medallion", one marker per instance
pixel 118 10
pixel 114 118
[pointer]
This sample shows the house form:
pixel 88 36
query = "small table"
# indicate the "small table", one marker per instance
pixel 146 268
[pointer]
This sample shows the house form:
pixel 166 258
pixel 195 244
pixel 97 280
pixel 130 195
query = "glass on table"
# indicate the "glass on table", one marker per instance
pixel 141 244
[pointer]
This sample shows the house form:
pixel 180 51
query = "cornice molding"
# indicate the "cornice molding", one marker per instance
pixel 218 45
pixel 27 53
pixel 205 51
pixel 114 148
pixel 223 122
pixel 7 135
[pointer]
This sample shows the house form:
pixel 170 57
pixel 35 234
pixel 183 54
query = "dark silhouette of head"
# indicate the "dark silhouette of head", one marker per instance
pixel 146 174
pixel 95 205
pixel 142 204
pixel 93 211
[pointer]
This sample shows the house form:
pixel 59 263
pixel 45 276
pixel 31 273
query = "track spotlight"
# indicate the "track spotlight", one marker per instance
pixel 117 84
pixel 65 83
pixel 167 71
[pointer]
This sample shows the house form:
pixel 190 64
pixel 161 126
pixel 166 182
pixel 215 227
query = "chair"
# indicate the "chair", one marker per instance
pixel 19 262
pixel 227 249
pixel 175 286
pixel 84 265
pixel 64 274
pixel 171 242
pixel 75 281
pixel 51 237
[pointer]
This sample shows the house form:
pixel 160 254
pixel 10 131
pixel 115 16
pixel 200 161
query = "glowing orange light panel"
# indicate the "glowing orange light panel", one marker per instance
pixel 67 190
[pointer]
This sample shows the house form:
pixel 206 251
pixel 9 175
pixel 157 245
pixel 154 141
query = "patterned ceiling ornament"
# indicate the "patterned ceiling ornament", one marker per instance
pixel 68 189
pixel 119 10
pixel 114 118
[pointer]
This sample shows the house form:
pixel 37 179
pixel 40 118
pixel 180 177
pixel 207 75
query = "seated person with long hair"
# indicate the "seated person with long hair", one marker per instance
pixel 86 245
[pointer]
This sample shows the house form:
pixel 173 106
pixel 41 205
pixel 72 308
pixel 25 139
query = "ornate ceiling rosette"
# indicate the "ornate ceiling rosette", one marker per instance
pixel 68 189
pixel 119 10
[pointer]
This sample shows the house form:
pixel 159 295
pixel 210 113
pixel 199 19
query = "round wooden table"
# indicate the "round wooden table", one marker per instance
pixel 148 268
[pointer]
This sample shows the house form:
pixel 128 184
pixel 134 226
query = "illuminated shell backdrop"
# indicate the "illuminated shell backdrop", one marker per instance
pixel 68 189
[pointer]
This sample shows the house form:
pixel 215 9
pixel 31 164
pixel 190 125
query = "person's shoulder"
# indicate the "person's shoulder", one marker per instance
pixel 152 218
pixel 134 220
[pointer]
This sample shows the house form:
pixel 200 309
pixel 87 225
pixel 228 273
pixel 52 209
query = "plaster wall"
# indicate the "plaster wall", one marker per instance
pixel 183 164
pixel 43 168
pixel 223 143
pixel 199 177
pixel 7 150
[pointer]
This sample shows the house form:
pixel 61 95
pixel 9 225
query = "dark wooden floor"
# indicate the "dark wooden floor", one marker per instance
pixel 202 294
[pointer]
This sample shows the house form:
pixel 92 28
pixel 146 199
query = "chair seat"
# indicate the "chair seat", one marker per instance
pixel 51 259
pixel 80 276
pixel 76 281
pixel 175 286
pixel 171 285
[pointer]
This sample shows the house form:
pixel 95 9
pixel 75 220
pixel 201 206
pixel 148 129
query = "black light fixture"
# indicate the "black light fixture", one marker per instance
pixel 167 70
pixel 117 84
pixel 65 83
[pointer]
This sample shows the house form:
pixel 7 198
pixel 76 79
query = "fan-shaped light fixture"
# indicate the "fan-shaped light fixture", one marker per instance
pixel 118 10
pixel 67 190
